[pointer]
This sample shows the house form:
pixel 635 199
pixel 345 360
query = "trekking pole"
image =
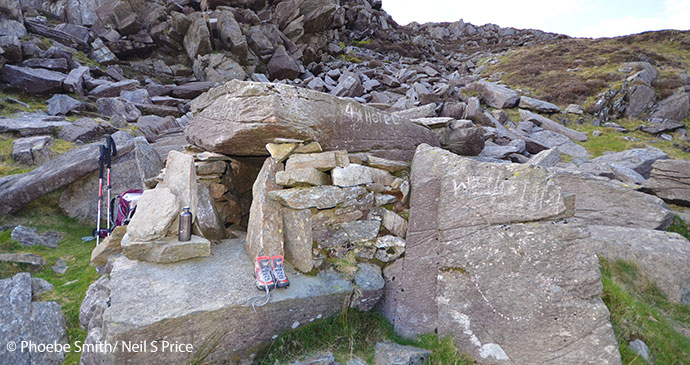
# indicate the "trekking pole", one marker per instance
pixel 101 161
pixel 110 151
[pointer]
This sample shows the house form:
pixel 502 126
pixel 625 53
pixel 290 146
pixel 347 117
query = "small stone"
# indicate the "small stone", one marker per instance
pixel 280 151
pixel 597 134
pixel 40 286
pixel 388 165
pixel 639 347
pixel 60 267
pixel 394 223
pixel 28 237
pixel 384 199
pixel 311 147
pixel 307 176
pixel 352 175
pixel 323 161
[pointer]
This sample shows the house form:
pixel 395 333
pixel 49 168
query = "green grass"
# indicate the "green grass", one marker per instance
pixel 639 310
pixel 352 334
pixel 680 227
pixel 36 103
pixel 44 214
pixel 7 164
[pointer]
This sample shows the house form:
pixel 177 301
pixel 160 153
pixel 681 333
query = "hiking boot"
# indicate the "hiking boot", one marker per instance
pixel 264 277
pixel 278 264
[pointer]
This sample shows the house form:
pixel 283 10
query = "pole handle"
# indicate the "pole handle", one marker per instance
pixel 101 160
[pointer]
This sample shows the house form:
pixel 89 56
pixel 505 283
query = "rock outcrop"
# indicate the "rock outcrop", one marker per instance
pixel 450 284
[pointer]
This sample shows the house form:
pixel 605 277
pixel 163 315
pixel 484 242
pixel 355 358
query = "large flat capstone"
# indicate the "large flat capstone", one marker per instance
pixel 241 117
pixel 194 300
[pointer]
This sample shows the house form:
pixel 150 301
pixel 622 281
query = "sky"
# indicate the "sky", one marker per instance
pixel 576 18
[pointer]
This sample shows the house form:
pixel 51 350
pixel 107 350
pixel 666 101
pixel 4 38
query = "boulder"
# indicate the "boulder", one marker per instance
pixel 538 106
pixel 494 95
pixel 32 124
pixel 118 107
pixel 33 80
pixel 180 177
pixel 667 125
pixel 153 126
pixel 553 140
pixel 638 159
pixel 218 67
pixel 32 150
pixel 74 83
pixel 53 64
pixel 191 90
pixel 240 118
pixel 82 12
pixel 61 104
pixel 213 298
pixel 675 107
pixel 119 15
pixel 463 141
pixel 28 237
pixel 670 180
pixel 660 256
pixel 101 53
pixel 546 158
pixel 641 98
pixel 424 111
pixel 114 89
pixel 349 84
pixel 86 130
pixel 18 190
pixel 317 14
pixel 283 66
pixel 23 258
pixel 40 286
pixel 197 41
pixel 452 285
pixel 25 320
pixel 391 353
pixel 231 35
pixel 130 170
pixel 265 229
pixel 550 125
pixel 602 201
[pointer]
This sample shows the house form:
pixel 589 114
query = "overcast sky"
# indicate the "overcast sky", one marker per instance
pixel 577 18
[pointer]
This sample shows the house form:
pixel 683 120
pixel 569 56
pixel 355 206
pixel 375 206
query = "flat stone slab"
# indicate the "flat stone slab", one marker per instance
pixel 191 301
pixel 167 251
pixel 32 125
pixel 241 117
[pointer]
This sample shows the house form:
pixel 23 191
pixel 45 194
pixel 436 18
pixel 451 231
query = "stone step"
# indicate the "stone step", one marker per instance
pixel 192 301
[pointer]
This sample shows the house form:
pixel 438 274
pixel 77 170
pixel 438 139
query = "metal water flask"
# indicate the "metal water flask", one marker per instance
pixel 185 233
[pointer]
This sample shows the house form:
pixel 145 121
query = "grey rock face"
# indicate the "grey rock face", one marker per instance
pixel 463 141
pixel 38 322
pixel 153 126
pixel 129 171
pixel 638 159
pixel 495 95
pixel 28 237
pixel 32 124
pixel 197 41
pixel 392 353
pixel 538 105
pixel 211 293
pixel 118 107
pixel 86 130
pixel 605 202
pixel 95 302
pixel 675 107
pixel 661 256
pixel 641 97
pixel 320 197
pixel 452 285
pixel 32 150
pixel 33 80
pixel 228 121
pixel 298 239
pixel 61 104
pixel 670 180
pixel 282 65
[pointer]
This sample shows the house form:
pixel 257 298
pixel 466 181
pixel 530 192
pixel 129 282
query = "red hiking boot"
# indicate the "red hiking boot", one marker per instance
pixel 278 266
pixel 263 273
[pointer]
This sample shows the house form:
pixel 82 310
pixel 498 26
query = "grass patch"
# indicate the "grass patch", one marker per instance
pixel 679 226
pixel 70 287
pixel 582 68
pixel 352 334
pixel 639 310
pixel 33 103
pixel 7 164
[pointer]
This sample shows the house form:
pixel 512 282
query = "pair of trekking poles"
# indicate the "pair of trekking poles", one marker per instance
pixel 105 154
